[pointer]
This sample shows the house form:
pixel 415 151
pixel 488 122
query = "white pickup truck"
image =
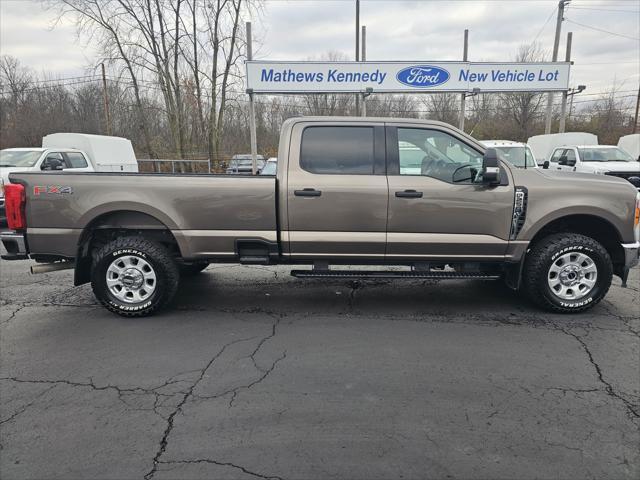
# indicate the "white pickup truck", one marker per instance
pixel 68 151
pixel 597 159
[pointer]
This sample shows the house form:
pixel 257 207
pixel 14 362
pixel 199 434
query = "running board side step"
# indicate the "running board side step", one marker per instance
pixel 393 274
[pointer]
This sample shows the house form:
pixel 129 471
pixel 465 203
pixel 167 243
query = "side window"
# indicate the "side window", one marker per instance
pixel 53 156
pixel 557 153
pixel 570 154
pixel 76 160
pixel 436 154
pixel 337 150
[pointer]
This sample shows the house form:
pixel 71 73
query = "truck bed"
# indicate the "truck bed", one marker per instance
pixel 205 213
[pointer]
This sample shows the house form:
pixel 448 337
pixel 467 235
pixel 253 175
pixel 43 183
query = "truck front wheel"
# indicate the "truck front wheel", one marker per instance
pixel 567 273
pixel 133 276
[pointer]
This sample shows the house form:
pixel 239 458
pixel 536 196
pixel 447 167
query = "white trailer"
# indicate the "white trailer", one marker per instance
pixel 631 145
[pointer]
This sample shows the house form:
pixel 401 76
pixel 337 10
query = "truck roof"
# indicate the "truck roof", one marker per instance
pixel 40 149
pixel 502 143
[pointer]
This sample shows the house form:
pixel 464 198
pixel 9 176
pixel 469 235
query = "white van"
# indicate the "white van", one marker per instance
pixel 544 145
pixel 69 151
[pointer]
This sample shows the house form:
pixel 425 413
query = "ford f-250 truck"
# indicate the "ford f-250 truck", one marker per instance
pixel 348 191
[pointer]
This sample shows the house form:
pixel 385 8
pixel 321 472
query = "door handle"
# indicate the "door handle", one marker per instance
pixel 409 194
pixel 307 192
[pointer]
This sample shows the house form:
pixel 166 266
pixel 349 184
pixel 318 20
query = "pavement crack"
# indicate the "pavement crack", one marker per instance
pixel 24 408
pixel 186 395
pixel 222 464
pixel 632 409
pixel 13 314
pixel 264 375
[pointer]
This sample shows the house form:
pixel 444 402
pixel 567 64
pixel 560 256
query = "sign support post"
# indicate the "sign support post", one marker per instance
pixel 563 107
pixel 252 111
pixel 463 95
pixel 364 59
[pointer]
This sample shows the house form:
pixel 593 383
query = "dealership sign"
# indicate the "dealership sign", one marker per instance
pixel 314 77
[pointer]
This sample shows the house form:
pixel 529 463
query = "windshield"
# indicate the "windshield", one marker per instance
pixel 269 169
pixel 19 158
pixel 518 156
pixel 604 155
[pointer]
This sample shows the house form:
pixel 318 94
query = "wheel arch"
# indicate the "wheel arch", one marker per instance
pixel 594 226
pixel 112 223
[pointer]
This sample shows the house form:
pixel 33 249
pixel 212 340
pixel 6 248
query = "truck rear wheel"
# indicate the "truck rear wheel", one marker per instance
pixel 133 276
pixel 567 273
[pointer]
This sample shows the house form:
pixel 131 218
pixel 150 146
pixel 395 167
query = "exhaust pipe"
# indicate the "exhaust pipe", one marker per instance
pixel 51 267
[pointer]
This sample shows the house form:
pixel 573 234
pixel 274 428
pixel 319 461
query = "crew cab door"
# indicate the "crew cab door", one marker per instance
pixel 436 210
pixel 337 191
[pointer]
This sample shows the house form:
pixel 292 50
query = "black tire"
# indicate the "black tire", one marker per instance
pixel 164 268
pixel 547 251
pixel 191 269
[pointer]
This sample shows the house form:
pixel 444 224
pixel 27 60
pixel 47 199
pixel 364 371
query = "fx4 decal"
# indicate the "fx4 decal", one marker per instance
pixel 52 189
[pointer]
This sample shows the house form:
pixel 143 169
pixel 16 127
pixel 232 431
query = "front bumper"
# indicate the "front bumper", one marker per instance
pixel 631 254
pixel 15 245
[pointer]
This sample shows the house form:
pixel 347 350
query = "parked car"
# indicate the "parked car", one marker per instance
pixel 74 151
pixel 516 153
pixel 270 167
pixel 243 164
pixel 342 196
pixel 543 146
pixel 598 159
pixel 631 145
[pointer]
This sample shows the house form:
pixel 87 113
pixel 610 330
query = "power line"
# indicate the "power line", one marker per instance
pixel 545 24
pixel 602 30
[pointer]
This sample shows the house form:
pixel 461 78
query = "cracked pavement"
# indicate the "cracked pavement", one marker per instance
pixel 255 374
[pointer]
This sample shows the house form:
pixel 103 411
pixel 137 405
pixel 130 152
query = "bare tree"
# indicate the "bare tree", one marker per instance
pixel 524 107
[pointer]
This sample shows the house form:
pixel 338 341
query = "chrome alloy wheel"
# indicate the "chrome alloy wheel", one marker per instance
pixel 131 279
pixel 572 276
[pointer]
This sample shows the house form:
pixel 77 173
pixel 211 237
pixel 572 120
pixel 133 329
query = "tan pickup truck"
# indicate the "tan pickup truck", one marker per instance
pixel 348 191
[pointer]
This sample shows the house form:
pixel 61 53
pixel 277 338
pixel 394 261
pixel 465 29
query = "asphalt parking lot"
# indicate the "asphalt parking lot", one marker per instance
pixel 253 373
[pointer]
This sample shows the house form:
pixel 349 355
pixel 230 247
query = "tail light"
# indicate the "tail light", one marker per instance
pixel 14 203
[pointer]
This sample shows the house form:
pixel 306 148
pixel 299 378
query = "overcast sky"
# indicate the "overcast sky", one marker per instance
pixel 606 47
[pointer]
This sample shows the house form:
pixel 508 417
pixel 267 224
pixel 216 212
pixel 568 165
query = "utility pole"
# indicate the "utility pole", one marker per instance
pixel 556 44
pixel 463 96
pixel 364 59
pixel 252 110
pixel 107 114
pixel 357 50
pixel 563 108
pixel 635 121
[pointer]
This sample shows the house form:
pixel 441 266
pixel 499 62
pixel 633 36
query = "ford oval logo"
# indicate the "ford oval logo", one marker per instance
pixel 423 76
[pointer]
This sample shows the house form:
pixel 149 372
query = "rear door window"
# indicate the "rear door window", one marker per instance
pixel 337 150
pixel 76 160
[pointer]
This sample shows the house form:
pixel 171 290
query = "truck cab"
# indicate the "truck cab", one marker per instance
pixel 597 159
pixel 517 154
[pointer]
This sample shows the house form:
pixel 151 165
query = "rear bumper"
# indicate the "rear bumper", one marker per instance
pixel 15 245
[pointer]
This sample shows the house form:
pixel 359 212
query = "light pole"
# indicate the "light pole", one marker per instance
pixel 571 93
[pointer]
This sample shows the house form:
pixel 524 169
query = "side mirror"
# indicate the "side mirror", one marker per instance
pixel 562 160
pixel 545 165
pixel 490 167
pixel 52 163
